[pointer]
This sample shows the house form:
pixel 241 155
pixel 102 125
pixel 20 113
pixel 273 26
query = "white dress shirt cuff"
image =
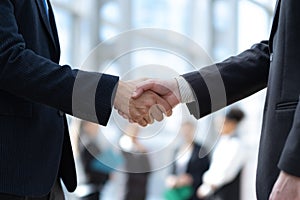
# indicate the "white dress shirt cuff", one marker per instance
pixel 185 90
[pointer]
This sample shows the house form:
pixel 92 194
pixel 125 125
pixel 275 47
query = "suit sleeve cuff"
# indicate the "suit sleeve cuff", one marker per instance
pixel 290 157
pixel 202 104
pixel 185 90
pixel 105 95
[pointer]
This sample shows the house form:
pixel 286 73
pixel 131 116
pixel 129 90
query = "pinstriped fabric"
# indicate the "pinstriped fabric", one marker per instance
pixel 34 140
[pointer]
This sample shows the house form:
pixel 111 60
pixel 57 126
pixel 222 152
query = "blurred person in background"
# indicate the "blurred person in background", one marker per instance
pixel 222 180
pixel 89 149
pixel 188 168
pixel 137 164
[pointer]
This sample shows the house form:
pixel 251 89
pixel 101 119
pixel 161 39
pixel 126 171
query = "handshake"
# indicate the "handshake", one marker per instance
pixel 145 100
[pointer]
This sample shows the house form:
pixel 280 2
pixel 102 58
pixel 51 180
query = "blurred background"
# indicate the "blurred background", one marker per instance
pixel 221 27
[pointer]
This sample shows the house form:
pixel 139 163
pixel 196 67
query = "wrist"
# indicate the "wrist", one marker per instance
pixel 123 95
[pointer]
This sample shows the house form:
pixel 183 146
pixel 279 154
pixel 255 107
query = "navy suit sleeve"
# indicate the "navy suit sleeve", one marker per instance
pixel 224 83
pixel 290 157
pixel 25 74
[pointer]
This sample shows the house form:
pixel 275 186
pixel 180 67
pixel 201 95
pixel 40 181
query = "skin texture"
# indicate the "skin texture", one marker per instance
pixel 143 109
pixel 286 187
pixel 167 89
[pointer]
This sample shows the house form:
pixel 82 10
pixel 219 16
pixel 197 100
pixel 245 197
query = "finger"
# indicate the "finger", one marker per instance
pixel 141 87
pixel 156 113
pixel 166 107
pixel 167 113
pixel 146 115
pixel 120 112
pixel 135 114
pixel 142 123
pixel 150 118
pixel 123 115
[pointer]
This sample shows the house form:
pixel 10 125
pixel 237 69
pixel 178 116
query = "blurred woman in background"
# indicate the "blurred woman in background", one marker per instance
pixel 188 168
pixel 137 164
pixel 222 180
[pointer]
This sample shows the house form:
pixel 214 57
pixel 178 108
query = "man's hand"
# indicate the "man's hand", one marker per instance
pixel 167 89
pixel 122 98
pixel 143 109
pixel 286 187
pixel 148 107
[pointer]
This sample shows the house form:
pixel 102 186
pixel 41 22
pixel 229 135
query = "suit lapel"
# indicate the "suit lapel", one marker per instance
pixel 45 19
pixel 275 23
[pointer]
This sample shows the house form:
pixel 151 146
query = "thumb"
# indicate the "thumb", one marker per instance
pixel 142 87
pixel 165 107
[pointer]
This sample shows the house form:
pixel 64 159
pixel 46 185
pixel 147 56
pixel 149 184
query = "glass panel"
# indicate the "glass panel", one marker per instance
pixel 110 12
pixel 166 14
pixel 254 25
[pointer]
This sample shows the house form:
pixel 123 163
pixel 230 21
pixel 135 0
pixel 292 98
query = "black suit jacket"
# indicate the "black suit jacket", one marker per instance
pixel 196 168
pixel 35 147
pixel 275 64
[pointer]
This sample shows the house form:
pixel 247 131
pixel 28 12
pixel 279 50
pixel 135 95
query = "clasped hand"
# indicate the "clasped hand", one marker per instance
pixel 145 100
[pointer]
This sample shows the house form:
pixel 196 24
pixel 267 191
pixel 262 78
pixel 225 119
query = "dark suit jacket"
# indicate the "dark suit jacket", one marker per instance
pixel 196 168
pixel 34 139
pixel 273 63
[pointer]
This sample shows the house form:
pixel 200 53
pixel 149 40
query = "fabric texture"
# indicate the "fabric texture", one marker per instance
pixel 56 193
pixel 185 90
pixel 35 92
pixel 273 64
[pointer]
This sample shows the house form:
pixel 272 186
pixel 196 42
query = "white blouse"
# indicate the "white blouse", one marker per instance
pixel 183 158
pixel 227 160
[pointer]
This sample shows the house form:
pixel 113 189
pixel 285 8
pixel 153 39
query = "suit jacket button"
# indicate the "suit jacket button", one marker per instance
pixel 61 113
